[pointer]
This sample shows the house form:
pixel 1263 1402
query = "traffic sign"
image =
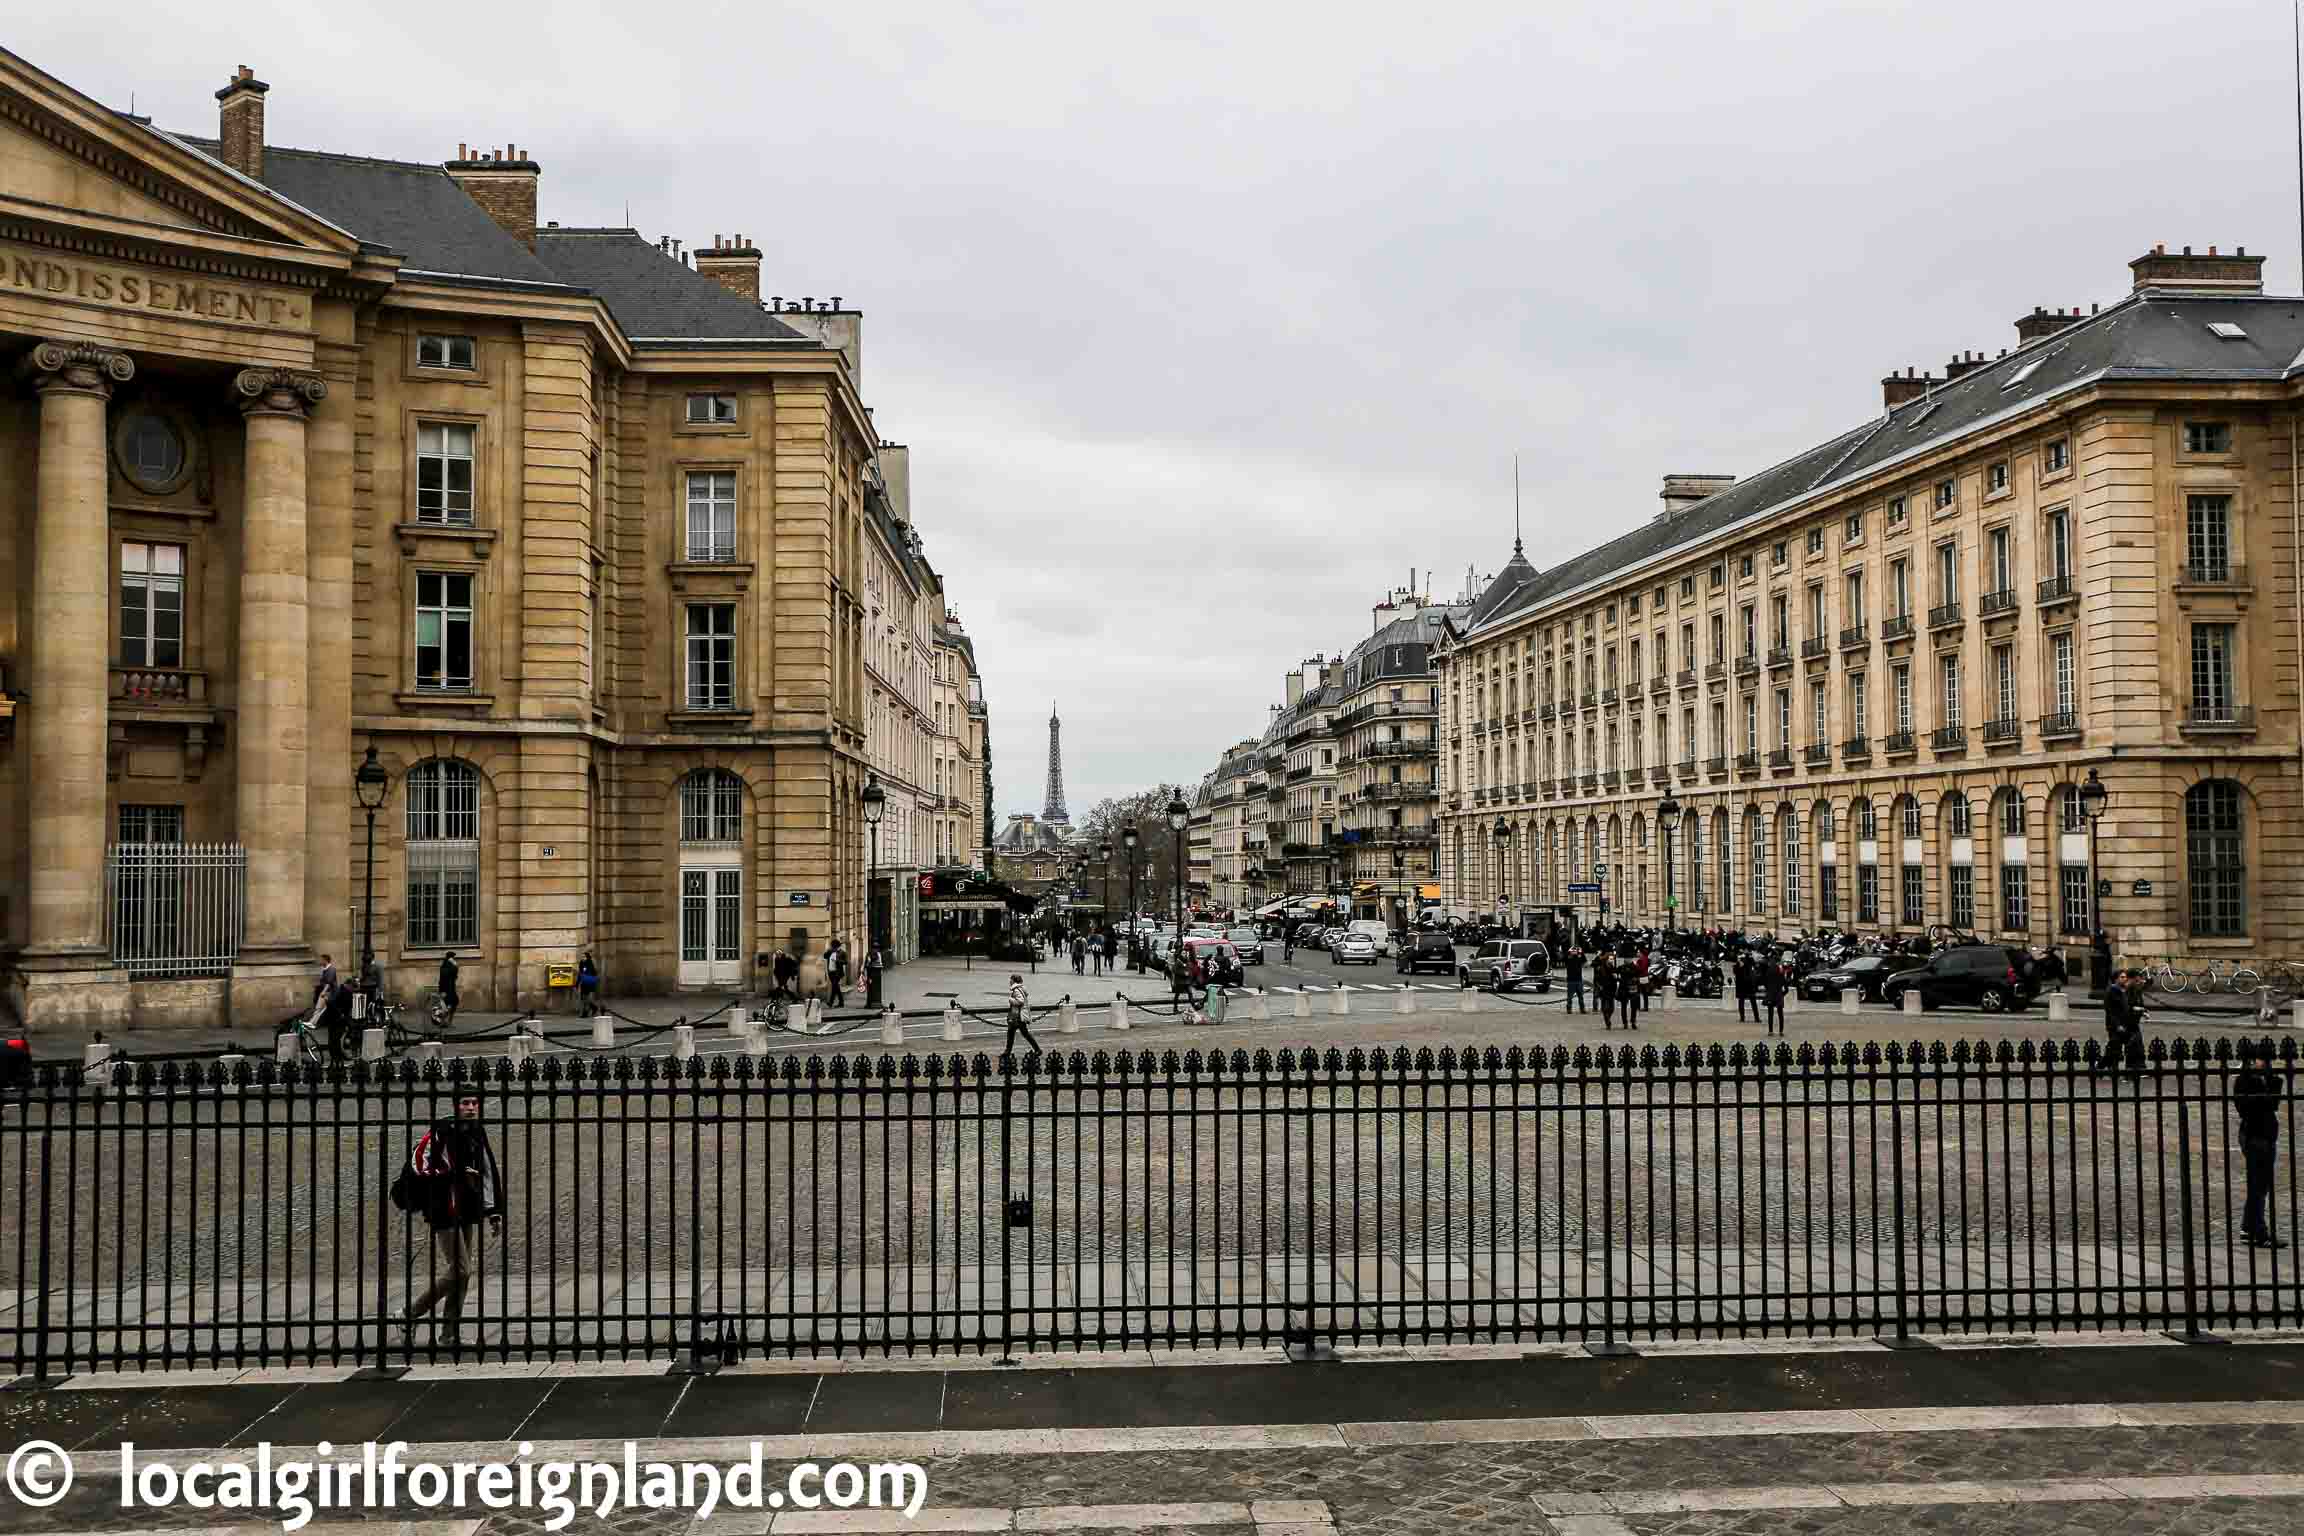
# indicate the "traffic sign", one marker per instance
pixel 1601 870
pixel 2141 888
pixel 1584 887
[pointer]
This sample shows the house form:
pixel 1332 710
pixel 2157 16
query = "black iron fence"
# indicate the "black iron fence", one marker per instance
pixel 206 1215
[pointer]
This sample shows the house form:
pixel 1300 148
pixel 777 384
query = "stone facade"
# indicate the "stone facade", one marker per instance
pixel 1875 677
pixel 578 540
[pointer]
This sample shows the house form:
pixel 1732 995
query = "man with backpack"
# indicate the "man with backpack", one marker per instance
pixel 453 1181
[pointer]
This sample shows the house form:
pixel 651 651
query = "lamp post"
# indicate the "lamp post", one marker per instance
pixel 875 802
pixel 1104 861
pixel 2094 797
pixel 1667 822
pixel 1400 889
pixel 1503 836
pixel 1135 947
pixel 370 783
pixel 1179 817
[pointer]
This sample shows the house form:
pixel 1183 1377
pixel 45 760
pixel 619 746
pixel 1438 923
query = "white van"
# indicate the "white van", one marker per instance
pixel 1378 934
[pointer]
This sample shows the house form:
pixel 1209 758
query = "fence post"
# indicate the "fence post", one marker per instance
pixel 1905 1338
pixel 1608 1347
pixel 381 1087
pixel 47 1180
pixel 2191 1333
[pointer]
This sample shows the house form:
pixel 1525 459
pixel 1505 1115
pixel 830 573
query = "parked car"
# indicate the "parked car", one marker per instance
pixel 1993 977
pixel 1863 974
pixel 1508 964
pixel 1250 943
pixel 1378 933
pixel 1352 949
pixel 1427 952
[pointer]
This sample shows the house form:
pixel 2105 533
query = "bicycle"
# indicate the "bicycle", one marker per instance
pixel 2213 977
pixel 311 1035
pixel 2285 978
pixel 2167 978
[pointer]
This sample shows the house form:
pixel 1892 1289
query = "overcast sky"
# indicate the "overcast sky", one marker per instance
pixel 1207 325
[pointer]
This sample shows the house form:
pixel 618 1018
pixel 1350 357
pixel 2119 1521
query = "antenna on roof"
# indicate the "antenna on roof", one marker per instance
pixel 1516 490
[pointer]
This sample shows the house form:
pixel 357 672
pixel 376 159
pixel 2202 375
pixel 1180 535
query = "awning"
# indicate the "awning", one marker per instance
pixel 1274 908
pixel 969 904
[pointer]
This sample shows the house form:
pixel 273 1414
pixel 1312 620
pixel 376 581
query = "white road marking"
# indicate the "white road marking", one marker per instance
pixel 1577 1512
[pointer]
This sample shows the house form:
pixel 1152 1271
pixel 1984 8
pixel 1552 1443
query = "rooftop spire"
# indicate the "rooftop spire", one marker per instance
pixel 1516 504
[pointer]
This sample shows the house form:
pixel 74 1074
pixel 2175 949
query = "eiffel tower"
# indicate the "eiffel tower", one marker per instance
pixel 1054 811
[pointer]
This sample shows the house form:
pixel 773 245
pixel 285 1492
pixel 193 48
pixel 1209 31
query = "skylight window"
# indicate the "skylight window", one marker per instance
pixel 2227 330
pixel 2023 373
pixel 1922 414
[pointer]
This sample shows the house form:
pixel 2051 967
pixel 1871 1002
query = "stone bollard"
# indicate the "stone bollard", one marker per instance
pixel 284 1047
pixel 812 1021
pixel 523 1045
pixel 1850 999
pixel 951 1021
pixel 97 1066
pixel 1259 1007
pixel 2296 1014
pixel 1671 998
pixel 227 1068
pixel 1912 1001
pixel 683 1042
pixel 1119 1011
pixel 756 1038
pixel 891 1027
pixel 1404 1001
pixel 427 1050
pixel 1467 1000
pixel 1303 1008
pixel 2059 1008
pixel 1067 1017
pixel 1339 1001
pixel 372 1047
pixel 603 1031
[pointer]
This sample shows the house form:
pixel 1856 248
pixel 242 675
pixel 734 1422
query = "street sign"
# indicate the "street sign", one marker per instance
pixel 1600 870
pixel 2103 889
pixel 2141 888
pixel 1584 887
pixel 798 898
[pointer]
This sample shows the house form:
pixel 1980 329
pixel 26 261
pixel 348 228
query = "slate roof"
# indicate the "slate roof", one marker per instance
pixel 654 297
pixel 2151 335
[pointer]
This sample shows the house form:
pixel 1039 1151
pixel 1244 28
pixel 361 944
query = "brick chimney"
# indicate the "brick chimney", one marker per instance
pixel 1965 363
pixel 1683 491
pixel 2233 272
pixel 734 265
pixel 1898 388
pixel 503 183
pixel 240 123
pixel 2046 322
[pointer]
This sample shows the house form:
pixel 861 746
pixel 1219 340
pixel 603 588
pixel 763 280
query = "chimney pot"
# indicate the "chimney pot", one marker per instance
pixel 240 123
pixel 2211 250
pixel 2215 271
pixel 503 182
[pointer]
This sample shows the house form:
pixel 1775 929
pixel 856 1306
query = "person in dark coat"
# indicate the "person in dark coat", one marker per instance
pixel 587 987
pixel 1575 962
pixel 2256 1094
pixel 2124 1023
pixel 1604 986
pixel 1628 984
pixel 460 1185
pixel 450 1001
pixel 1771 984
pixel 1747 978
pixel 786 970
pixel 836 973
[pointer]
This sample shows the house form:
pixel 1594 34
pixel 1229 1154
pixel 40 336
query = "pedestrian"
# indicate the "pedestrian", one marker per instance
pixel 1604 986
pixel 587 987
pixel 454 1182
pixel 786 970
pixel 875 963
pixel 1747 987
pixel 1288 946
pixel 2256 1095
pixel 2100 963
pixel 1019 1009
pixel 2123 1026
pixel 836 972
pixel 1079 954
pixel 1771 982
pixel 449 999
pixel 325 987
pixel 1628 993
pixel 336 1010
pixel 1575 960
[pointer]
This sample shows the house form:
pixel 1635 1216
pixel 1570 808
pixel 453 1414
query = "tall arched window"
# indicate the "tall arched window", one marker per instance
pixel 1959 863
pixel 1756 839
pixel 1867 862
pixel 1911 874
pixel 711 807
pixel 2015 861
pixel 1724 850
pixel 1827 865
pixel 1788 833
pixel 2215 851
pixel 443 855
pixel 2068 824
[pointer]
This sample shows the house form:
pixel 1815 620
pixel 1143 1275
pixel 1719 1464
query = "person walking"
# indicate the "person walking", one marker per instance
pixel 875 965
pixel 2256 1095
pixel 1079 955
pixel 450 999
pixel 1628 996
pixel 587 987
pixel 455 1183
pixel 836 973
pixel 1604 986
pixel 2124 1024
pixel 1575 962
pixel 1743 970
pixel 1288 946
pixel 1771 983
pixel 786 971
pixel 1019 1015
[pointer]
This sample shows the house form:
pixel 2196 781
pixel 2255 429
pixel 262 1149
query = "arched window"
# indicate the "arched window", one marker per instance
pixel 1788 833
pixel 1723 849
pixel 2215 851
pixel 2015 861
pixel 1827 864
pixel 1911 874
pixel 711 807
pixel 1867 824
pixel 443 855
pixel 1756 839
pixel 2011 813
pixel 1956 821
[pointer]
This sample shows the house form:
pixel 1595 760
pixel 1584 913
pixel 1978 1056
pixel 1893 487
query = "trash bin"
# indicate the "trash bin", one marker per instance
pixel 1218 998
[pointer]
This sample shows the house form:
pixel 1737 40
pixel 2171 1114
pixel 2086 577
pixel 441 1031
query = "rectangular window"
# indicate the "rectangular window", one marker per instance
pixel 1900 589
pixel 1816 540
pixel 1751 631
pixel 1961 896
pixel 2015 897
pixel 444 631
pixel 1687 588
pixel 1852 600
pixel 152 824
pixel 711 410
pixel 2207 437
pixel 434 351
pixel 1720 574
pixel 2208 538
pixel 1996 478
pixel 1744 568
pixel 2072 899
pixel 1780 553
pixel 444 473
pixel 2056 456
pixel 1867 893
pixel 1816 611
pixel 1816 732
pixel 711 656
pixel 1895 511
pixel 1947 573
pixel 2004 682
pixel 2003 563
pixel 1783 717
pixel 1854 533
pixel 2064 672
pixel 1828 892
pixel 1946 493
pixel 1901 681
pixel 712 515
pixel 1910 889
pixel 2212 671
pixel 1780 622
pixel 151 605
pixel 1949 694
pixel 1856 720
pixel 2059 542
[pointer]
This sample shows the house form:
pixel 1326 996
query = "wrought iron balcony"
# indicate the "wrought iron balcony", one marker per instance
pixel 1999 733
pixel 1949 738
pixel 1633 689
pixel 2065 722
pixel 1587 699
pixel 1780 656
pixel 1717 767
pixel 1747 664
pixel 1546 710
pixel 1748 762
pixel 1715 670
pixel 1590 783
pixel 1780 758
pixel 1688 767
pixel 1994 605
pixel 1660 776
pixel 2223 575
pixel 1855 636
pixel 1897 628
pixel 1814 646
pixel 1607 697
pixel 1896 743
pixel 1819 752
pixel 2219 717
pixel 1945 615
pixel 1856 748
pixel 1687 677
pixel 2056 589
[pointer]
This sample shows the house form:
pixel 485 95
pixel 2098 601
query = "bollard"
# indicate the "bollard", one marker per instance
pixel 1849 999
pixel 1339 1001
pixel 891 1026
pixel 756 1038
pixel 1912 1001
pixel 951 1021
pixel 372 1046
pixel 603 1031
pixel 683 1042
pixel 812 1022
pixel 1259 1006
pixel 1303 1008
pixel 1119 1012
pixel 1671 998
pixel 228 1070
pixel 2267 1011
pixel 1067 1017
pixel 427 1050
pixel 1404 1001
pixel 2296 1014
pixel 520 1047
pixel 284 1046
pixel 739 1021
pixel 94 1054
pixel 2059 1008
pixel 1467 1000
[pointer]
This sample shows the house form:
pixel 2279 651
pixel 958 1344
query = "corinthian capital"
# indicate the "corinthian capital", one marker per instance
pixel 76 365
pixel 283 390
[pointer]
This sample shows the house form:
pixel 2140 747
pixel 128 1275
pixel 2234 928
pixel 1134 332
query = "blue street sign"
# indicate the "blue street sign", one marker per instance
pixel 1587 887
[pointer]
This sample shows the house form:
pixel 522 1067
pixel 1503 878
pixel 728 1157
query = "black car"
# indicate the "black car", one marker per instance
pixel 1426 952
pixel 1992 977
pixel 1864 974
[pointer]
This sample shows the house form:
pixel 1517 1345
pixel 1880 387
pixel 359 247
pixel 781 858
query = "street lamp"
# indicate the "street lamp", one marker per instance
pixel 2094 797
pixel 1503 837
pixel 1104 861
pixel 1667 822
pixel 1135 948
pixel 1179 817
pixel 875 802
pixel 1400 888
pixel 370 783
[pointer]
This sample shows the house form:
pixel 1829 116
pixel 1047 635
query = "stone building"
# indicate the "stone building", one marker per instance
pixel 1306 781
pixel 903 713
pixel 1875 676
pixel 1387 758
pixel 321 453
pixel 1236 824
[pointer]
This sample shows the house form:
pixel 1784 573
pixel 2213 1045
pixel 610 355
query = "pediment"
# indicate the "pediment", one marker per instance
pixel 65 157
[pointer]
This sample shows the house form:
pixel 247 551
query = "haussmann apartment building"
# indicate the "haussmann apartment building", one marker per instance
pixel 1876 677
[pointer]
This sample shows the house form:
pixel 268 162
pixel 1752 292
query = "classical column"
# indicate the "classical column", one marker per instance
pixel 68 975
pixel 329 821
pixel 272 727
